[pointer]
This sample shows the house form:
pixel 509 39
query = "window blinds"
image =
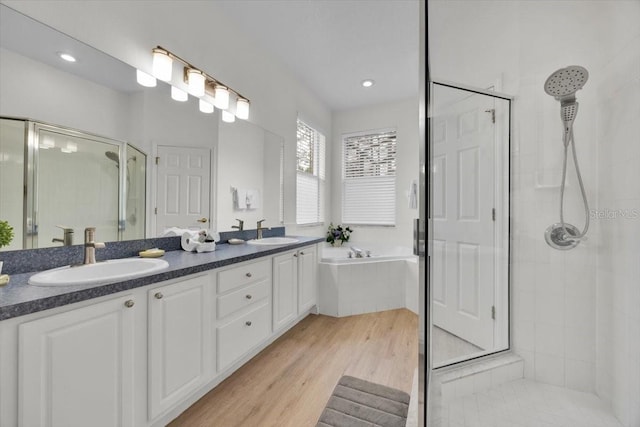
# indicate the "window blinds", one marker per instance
pixel 310 177
pixel 369 178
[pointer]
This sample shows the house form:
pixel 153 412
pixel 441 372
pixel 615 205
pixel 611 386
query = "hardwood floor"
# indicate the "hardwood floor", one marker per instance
pixel 289 382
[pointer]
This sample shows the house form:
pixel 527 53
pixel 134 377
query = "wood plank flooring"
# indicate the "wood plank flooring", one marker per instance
pixel 289 382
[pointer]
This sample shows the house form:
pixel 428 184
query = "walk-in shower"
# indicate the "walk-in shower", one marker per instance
pixel 563 85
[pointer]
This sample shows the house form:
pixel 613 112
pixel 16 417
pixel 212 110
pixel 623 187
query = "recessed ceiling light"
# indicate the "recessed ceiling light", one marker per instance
pixel 66 57
pixel 367 83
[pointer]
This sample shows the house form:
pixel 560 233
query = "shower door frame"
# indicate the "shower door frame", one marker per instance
pixel 505 210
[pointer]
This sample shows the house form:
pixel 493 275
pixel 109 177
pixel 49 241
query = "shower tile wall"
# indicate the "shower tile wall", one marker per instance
pixel 618 209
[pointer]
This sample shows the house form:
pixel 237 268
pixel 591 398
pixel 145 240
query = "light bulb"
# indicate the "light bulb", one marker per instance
pixel 162 64
pixel 206 107
pixel 221 97
pixel 144 79
pixel 228 117
pixel 242 109
pixel 196 82
pixel 67 57
pixel 178 94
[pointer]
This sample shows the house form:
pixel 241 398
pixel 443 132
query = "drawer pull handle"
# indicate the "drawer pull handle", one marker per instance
pixel 129 303
pixel 248 296
pixel 249 275
pixel 158 295
pixel 248 323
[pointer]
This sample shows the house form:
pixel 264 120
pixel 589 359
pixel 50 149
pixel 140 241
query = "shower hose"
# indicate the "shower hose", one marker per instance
pixel 570 142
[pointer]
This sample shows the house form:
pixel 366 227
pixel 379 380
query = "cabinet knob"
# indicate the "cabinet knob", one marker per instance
pixel 295 255
pixel 248 323
pixel 158 295
pixel 248 296
pixel 248 274
pixel 129 303
pixel 301 253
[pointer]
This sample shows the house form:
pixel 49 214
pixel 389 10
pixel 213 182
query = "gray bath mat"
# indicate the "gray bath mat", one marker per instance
pixel 359 403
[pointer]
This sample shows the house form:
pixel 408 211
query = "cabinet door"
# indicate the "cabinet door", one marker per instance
pixel 307 265
pixel 285 289
pixel 179 341
pixel 76 367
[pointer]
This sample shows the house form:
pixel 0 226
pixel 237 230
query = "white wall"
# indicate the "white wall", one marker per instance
pixel 554 293
pixel 200 33
pixel 402 115
pixel 617 215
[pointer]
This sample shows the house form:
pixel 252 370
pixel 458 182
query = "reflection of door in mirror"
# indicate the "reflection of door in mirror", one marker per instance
pixel 183 191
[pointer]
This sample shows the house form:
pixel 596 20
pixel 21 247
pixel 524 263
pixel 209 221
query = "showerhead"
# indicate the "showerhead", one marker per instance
pixel 565 82
pixel 111 155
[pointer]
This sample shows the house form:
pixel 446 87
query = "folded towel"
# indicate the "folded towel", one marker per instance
pixel 413 195
pixel 240 198
pixel 252 199
pixel 176 231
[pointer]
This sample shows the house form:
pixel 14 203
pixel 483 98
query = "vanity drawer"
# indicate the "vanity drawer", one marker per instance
pixel 243 275
pixel 241 298
pixel 242 334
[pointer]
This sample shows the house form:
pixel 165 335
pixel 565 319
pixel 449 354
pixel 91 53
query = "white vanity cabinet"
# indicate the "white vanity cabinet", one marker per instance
pixel 244 309
pixel 294 285
pixel 76 367
pixel 180 356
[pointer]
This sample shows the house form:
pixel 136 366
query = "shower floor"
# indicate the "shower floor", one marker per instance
pixel 447 346
pixel 525 403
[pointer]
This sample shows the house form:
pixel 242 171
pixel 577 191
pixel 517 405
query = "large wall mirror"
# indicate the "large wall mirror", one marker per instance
pixel 97 107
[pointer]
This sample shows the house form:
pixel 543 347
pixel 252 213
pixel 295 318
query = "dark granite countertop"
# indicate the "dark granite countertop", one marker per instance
pixel 18 298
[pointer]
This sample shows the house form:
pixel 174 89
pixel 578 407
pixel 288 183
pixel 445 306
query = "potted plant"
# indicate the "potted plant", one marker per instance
pixel 6 235
pixel 337 235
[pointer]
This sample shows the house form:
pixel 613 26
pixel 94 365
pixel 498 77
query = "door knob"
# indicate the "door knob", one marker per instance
pixel 203 220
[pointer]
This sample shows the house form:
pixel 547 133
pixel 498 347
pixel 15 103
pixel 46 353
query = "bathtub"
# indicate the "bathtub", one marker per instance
pixel 386 280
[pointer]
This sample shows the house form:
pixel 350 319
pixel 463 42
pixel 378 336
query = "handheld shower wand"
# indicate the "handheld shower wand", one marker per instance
pixel 563 85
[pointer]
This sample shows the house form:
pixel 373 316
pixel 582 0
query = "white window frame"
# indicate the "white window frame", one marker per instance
pixel 369 198
pixel 310 187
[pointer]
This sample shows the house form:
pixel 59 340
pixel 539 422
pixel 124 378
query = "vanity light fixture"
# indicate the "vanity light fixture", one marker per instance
pixel 144 79
pixel 195 80
pixel 242 109
pixel 367 83
pixel 178 94
pixel 67 57
pixel 162 64
pixel 206 107
pixel 200 85
pixel 221 96
pixel 228 117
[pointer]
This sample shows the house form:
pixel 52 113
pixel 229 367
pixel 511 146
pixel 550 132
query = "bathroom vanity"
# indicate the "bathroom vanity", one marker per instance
pixel 142 354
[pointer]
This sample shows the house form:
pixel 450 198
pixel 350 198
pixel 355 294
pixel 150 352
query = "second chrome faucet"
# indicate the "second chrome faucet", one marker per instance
pixel 90 245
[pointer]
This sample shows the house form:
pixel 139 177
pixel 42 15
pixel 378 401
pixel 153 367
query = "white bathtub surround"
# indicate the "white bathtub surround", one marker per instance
pixel 384 281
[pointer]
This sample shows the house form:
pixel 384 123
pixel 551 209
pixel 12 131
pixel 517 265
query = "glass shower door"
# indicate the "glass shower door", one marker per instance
pixel 469 146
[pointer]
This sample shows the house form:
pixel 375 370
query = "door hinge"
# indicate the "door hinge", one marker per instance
pixel 493 312
pixel 157 160
pixel 155 211
pixel 493 214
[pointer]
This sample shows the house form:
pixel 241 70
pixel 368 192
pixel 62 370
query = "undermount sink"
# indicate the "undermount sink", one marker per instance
pixel 116 269
pixel 273 241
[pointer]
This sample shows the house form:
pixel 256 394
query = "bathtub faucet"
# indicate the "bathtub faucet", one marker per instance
pixel 357 251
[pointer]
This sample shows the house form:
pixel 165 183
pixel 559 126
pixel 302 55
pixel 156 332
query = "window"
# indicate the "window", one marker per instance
pixel 310 176
pixel 369 178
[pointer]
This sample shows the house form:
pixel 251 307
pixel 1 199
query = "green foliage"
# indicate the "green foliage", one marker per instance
pixel 6 233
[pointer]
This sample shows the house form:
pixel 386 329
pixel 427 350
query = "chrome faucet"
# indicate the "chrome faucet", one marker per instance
pixel 240 225
pixel 356 251
pixel 67 238
pixel 90 245
pixel 259 229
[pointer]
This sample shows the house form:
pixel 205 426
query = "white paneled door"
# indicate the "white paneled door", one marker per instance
pixel 463 259
pixel 183 190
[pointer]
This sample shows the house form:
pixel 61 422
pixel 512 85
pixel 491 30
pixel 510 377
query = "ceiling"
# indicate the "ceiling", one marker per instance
pixel 332 45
